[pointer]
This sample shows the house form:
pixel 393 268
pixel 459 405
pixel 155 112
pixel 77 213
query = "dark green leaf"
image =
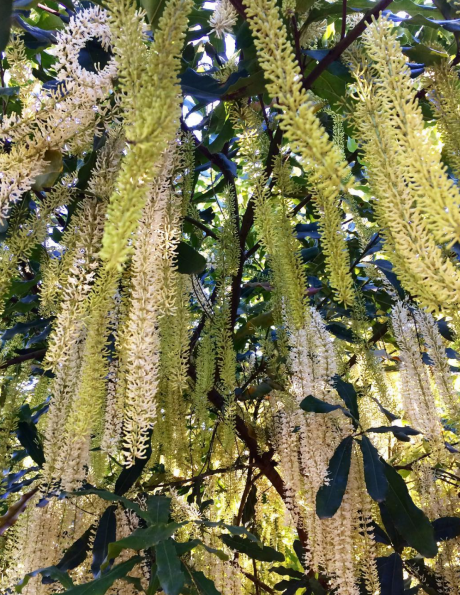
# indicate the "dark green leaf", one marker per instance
pixel 6 9
pixel 374 472
pixel 28 436
pixel 341 332
pixel 105 495
pixel 142 539
pixel 169 570
pixel 101 585
pixel 158 509
pixel 252 549
pixel 446 528
pixel 400 432
pixel 292 586
pixel 9 91
pixel 52 572
pixel 105 534
pixel 287 571
pixel 409 520
pixel 390 571
pixel 204 585
pixel 347 392
pixel 314 405
pixel 329 496
pixel 76 554
pixel 189 260
pixel 130 475
pixel 391 417
pixel 206 88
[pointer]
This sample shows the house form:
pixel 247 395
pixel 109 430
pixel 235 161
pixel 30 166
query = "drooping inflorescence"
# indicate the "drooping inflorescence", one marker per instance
pixel 229 281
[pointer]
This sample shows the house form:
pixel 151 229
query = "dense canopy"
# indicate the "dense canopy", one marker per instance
pixel 229 297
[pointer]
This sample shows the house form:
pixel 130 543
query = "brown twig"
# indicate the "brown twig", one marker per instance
pixel 13 512
pixel 202 226
pixel 344 43
pixel 180 482
pixel 23 358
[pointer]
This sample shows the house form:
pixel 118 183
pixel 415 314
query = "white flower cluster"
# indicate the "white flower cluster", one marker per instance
pixel 64 119
pixel 223 19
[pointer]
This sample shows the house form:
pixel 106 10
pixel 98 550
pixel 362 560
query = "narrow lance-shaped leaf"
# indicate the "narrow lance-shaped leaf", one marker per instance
pixel 409 520
pixel 169 571
pixel 313 405
pixel 390 571
pixel 347 392
pixel 374 472
pixel 6 7
pixel 141 539
pixel 101 585
pixel 252 549
pixel 330 495
pixel 106 533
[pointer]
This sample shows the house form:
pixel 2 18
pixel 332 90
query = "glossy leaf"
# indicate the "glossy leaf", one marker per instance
pixel 409 520
pixel 28 436
pixel 347 392
pixel 106 533
pixel 130 475
pixel 189 260
pixel 142 539
pixel 313 405
pixel 6 8
pixel 169 570
pixel 446 528
pixel 329 496
pixel 374 472
pixel 158 509
pixel 391 578
pixel 101 585
pixel 243 545
pixel 76 554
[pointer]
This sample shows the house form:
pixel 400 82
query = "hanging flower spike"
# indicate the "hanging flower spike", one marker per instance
pixel 321 159
pixel 152 110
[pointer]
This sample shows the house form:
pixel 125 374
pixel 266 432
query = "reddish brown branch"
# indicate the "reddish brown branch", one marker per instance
pixel 13 512
pixel 345 43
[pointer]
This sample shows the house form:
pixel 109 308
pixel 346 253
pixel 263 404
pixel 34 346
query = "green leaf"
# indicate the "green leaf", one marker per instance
pixel 281 570
pixel 51 572
pixel 189 260
pixel 101 585
pixel 110 497
pixel 423 54
pixel 409 520
pixel 204 585
pixel 243 545
pixel 347 392
pixel 329 496
pixel 28 436
pixel 391 578
pixel 154 10
pixel 313 405
pixel 158 509
pixel 374 472
pixel 106 533
pixel 169 570
pixel 76 554
pixel 9 91
pixel 6 9
pixel 246 87
pixel 142 539
pixel 130 475
pixel 446 528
